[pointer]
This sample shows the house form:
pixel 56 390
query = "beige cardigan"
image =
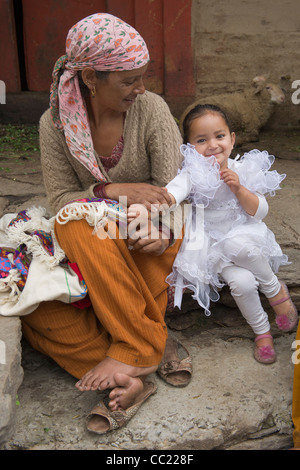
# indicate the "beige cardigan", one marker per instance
pixel 151 153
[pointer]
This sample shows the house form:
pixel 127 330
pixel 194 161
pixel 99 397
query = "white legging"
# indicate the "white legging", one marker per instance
pixel 249 274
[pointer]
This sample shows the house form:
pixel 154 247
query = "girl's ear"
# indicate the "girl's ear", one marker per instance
pixel 232 138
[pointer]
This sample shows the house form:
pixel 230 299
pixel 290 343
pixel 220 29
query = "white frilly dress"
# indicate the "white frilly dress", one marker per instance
pixel 217 217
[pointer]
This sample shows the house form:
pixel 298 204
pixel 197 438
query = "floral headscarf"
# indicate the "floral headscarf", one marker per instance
pixel 106 43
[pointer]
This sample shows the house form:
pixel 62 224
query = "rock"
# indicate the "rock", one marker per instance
pixel 3 204
pixel 11 373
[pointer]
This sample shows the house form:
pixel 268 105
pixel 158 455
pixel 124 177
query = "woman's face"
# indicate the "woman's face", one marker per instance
pixel 210 135
pixel 119 90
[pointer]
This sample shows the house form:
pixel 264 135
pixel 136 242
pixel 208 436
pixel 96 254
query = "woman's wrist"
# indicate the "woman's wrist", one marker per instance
pixel 100 191
pixel 117 192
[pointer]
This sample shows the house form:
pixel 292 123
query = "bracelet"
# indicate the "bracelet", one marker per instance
pixel 100 192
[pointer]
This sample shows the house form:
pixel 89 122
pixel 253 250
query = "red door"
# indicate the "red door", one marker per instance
pixel 164 24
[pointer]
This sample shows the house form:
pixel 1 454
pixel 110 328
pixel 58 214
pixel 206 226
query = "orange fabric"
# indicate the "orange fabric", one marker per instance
pixel 129 297
pixel 296 395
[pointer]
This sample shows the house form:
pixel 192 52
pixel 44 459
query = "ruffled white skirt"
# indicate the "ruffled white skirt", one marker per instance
pixel 227 230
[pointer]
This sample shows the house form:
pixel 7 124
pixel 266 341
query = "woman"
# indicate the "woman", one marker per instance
pixel 105 136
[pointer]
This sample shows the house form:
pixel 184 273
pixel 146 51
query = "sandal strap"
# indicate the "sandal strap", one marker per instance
pixel 117 419
pixel 280 301
pixel 176 372
pixel 166 368
pixel 263 336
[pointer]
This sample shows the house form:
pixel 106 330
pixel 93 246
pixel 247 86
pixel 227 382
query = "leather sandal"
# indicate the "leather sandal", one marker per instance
pixel 177 372
pixel 288 321
pixel 264 354
pixel 102 420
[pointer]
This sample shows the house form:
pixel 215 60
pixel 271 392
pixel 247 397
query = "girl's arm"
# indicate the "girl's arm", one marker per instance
pixel 179 188
pixel 248 200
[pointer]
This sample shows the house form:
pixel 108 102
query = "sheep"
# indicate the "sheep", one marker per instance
pixel 249 110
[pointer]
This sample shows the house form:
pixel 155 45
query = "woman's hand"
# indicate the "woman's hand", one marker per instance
pixel 144 236
pixel 139 193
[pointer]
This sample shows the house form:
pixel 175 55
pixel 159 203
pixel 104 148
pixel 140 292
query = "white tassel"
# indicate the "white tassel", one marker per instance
pixel 20 233
pixel 9 291
pixel 95 213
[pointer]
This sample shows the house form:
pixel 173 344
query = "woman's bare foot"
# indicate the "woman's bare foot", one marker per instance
pixel 102 376
pixel 126 393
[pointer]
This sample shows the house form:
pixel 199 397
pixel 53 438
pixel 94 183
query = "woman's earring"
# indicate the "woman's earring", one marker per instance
pixel 93 92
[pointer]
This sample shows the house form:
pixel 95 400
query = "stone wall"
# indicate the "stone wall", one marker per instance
pixel 235 40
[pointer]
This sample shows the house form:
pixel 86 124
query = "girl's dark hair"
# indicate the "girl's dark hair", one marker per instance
pixel 83 88
pixel 198 111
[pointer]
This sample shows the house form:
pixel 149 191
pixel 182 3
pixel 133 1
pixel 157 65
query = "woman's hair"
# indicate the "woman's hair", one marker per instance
pixel 198 111
pixel 83 88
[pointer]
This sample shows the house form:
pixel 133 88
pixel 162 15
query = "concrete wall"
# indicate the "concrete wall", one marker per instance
pixel 235 40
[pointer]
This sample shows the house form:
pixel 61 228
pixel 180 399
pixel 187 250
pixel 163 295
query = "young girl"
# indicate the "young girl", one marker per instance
pixel 237 248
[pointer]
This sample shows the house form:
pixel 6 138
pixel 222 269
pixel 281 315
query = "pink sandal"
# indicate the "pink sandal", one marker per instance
pixel 286 322
pixel 264 354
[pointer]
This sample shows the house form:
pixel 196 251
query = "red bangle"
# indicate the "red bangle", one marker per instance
pixel 100 192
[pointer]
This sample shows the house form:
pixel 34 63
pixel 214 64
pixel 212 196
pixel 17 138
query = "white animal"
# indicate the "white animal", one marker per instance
pixel 248 110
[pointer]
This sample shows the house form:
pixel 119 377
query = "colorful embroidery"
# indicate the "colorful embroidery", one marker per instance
pixel 14 262
pixel 46 241
pixel 21 216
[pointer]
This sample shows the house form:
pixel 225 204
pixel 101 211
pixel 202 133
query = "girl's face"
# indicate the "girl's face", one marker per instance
pixel 210 135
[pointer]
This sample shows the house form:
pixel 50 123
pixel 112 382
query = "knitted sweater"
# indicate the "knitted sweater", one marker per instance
pixel 151 153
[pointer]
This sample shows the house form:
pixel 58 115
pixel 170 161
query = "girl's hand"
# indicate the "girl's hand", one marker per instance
pixel 248 200
pixel 137 211
pixel 231 179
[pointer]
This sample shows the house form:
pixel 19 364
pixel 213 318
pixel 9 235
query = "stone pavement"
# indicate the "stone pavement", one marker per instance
pixel 232 402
